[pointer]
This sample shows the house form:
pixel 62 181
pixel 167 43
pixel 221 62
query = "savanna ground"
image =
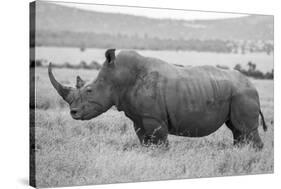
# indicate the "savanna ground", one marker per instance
pixel 106 149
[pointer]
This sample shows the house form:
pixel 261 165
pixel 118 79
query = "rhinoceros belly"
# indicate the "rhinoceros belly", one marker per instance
pixel 199 123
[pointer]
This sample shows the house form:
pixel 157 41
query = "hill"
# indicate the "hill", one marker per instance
pixel 59 25
pixel 53 17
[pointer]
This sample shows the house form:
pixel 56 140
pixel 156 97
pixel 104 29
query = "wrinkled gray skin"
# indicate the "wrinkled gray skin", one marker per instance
pixel 163 99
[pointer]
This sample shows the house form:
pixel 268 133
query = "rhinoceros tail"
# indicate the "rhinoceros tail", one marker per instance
pixel 264 126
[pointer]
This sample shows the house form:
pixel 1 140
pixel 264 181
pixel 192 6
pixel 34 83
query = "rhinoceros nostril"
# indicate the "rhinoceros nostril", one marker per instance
pixel 73 111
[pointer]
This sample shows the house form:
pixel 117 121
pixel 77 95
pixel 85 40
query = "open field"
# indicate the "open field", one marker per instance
pixel 106 149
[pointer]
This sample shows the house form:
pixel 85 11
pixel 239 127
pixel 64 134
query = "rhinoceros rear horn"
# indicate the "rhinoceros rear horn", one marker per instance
pixel 62 90
pixel 79 82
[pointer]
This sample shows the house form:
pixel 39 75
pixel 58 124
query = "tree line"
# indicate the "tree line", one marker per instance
pixel 95 40
pixel 252 70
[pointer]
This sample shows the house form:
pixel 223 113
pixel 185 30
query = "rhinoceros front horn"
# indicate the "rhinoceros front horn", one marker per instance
pixel 62 90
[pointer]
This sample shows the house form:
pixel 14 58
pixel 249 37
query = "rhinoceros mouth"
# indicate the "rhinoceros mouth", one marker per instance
pixel 77 117
pixel 89 116
pixel 81 117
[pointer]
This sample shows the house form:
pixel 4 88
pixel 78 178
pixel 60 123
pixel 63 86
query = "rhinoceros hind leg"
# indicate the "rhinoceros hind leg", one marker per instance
pixel 237 135
pixel 244 120
pixel 240 139
pixel 255 139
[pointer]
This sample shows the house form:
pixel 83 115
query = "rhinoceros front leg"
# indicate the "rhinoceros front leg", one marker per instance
pixel 143 137
pixel 140 132
pixel 155 133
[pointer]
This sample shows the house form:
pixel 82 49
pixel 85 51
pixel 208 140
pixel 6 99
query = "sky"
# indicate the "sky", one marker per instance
pixel 154 13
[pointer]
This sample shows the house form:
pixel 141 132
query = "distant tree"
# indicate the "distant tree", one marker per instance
pixel 82 48
pixel 252 66
pixel 83 65
pixel 67 65
pixel 268 48
pixel 243 49
pixel 269 75
pixel 95 65
pixel 251 50
pixel 238 67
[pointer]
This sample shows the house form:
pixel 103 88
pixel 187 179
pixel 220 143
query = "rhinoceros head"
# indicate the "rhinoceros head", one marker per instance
pixel 89 101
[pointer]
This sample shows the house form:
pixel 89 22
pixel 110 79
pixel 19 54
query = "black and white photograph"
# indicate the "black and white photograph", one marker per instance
pixel 122 94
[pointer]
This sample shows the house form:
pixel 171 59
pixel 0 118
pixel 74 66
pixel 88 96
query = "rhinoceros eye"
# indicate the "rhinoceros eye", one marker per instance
pixel 89 89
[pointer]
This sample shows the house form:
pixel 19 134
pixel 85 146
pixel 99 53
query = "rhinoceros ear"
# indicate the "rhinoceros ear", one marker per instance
pixel 79 82
pixel 110 56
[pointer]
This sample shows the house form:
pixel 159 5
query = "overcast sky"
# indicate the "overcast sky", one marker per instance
pixel 154 13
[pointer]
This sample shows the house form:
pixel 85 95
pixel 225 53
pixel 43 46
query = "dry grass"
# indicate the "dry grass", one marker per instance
pixel 106 149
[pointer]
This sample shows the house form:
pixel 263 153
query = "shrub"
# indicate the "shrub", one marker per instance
pixel 253 72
